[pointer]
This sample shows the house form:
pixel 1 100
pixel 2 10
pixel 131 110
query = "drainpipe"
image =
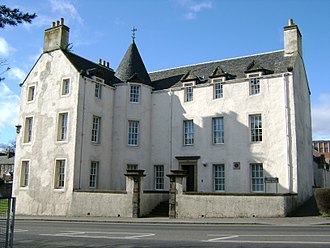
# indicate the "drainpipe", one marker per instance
pixel 288 129
pixel 82 134
pixel 170 129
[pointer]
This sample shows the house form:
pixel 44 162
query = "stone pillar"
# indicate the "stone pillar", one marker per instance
pixel 176 178
pixel 134 180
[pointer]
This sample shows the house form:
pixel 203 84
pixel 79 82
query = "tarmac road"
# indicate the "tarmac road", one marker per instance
pixel 166 233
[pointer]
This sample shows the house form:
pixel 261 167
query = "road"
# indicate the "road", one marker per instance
pixel 30 233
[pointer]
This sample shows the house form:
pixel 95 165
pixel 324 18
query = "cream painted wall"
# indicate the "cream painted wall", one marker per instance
pixel 40 196
pixel 235 107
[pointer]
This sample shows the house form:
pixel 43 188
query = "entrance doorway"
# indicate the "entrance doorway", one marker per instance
pixel 190 180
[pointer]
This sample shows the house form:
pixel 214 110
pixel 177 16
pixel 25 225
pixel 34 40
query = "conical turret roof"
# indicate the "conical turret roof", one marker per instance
pixel 131 68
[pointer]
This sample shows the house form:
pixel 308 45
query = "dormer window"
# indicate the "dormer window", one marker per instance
pixel 218 88
pixel 254 83
pixel 189 92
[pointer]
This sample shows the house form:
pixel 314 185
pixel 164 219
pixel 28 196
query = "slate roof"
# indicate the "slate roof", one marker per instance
pixel 4 160
pixel 132 68
pixel 273 62
pixel 89 68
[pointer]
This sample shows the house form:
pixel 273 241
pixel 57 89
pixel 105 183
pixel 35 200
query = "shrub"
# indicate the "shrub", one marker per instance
pixel 322 197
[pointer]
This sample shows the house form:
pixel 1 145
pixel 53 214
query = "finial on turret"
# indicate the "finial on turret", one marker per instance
pixel 133 33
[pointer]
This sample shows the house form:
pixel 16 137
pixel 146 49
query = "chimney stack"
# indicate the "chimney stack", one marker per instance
pixel 56 37
pixel 292 39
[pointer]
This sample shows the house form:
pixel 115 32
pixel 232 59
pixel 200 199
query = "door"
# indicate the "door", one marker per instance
pixel 190 180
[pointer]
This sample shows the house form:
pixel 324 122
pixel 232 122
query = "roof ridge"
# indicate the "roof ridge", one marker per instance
pixel 215 61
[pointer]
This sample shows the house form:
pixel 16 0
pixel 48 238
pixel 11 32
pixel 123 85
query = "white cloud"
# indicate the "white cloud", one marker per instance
pixel 65 8
pixel 9 105
pixel 321 118
pixel 194 7
pixel 5 48
pixel 16 73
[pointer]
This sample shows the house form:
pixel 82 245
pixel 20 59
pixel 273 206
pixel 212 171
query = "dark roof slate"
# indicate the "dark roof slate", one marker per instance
pixel 274 62
pixel 132 68
pixel 4 160
pixel 89 68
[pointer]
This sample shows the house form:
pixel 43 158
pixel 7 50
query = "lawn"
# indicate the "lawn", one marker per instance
pixel 3 206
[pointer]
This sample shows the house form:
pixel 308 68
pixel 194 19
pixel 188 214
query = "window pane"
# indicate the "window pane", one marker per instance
pixel 133 133
pixel 257 177
pixel 218 130
pixel 188 132
pixel 25 173
pixel 96 129
pixel 31 92
pixel 218 89
pixel 256 128
pixel 159 176
pixel 189 93
pixel 60 174
pixel 93 174
pixel 28 129
pixel 62 129
pixel 254 86
pixel 66 87
pixel 98 90
pixel 134 93
pixel 219 177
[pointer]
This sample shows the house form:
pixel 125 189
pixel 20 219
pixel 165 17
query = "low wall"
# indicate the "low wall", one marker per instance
pixel 150 199
pixel 101 203
pixel 194 205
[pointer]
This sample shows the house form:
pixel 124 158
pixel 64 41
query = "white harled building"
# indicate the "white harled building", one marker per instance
pixel 239 127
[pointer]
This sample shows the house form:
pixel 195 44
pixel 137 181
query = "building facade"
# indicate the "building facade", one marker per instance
pixel 235 126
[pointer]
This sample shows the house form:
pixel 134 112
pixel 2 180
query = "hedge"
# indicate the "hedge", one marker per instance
pixel 322 197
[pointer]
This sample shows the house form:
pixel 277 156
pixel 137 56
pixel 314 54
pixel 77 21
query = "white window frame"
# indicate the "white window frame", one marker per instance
pixel 96 129
pixel 28 129
pixel 66 84
pixel 218 92
pixel 133 133
pixel 59 180
pixel 254 83
pixel 219 183
pixel 255 122
pixel 188 92
pixel 98 90
pixel 134 93
pixel 159 177
pixel 31 93
pixel 218 130
pixel 25 172
pixel 132 166
pixel 188 132
pixel 93 175
pixel 257 177
pixel 62 133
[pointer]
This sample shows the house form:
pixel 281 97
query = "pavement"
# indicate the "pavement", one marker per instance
pixel 280 221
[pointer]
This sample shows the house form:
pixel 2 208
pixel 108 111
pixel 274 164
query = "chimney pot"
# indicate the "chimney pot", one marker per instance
pixel 103 62
pixel 57 23
pixel 100 61
pixel 62 21
pixel 108 64
pixel 53 24
pixel 291 23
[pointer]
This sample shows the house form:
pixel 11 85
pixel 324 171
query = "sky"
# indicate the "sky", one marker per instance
pixel 170 33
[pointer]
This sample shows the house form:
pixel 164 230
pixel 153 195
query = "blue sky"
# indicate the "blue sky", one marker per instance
pixel 170 33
